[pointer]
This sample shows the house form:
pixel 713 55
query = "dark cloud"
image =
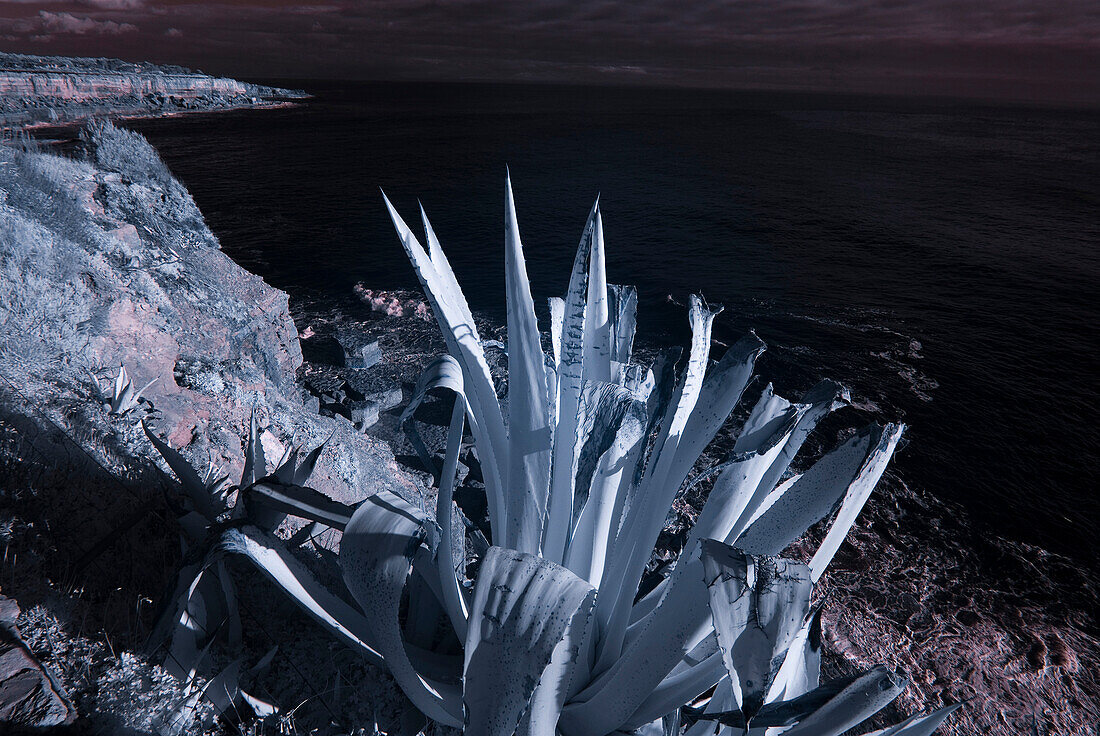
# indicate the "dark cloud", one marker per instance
pixel 969 47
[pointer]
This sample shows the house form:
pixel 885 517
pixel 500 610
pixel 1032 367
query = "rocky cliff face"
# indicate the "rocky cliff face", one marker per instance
pixel 56 89
pixel 109 263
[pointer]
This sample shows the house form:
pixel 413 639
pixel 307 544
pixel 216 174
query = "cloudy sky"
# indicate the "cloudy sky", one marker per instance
pixel 1041 50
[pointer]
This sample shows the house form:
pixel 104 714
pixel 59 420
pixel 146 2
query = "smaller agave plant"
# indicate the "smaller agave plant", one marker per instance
pixel 123 397
pixel 204 604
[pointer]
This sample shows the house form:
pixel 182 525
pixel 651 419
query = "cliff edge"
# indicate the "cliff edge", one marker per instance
pixel 36 90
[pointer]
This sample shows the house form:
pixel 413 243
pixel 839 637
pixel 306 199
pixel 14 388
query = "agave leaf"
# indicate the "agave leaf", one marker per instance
pixel 523 607
pixel 443 374
pixel 188 476
pixel 460 333
pixel 122 380
pixel 229 599
pixel 273 499
pixel 559 511
pixel 605 468
pixel 293 578
pixel 309 463
pixel 191 628
pixel 223 689
pixel 446 274
pixel 834 707
pixel 603 408
pixel 557 325
pixel 596 363
pixel 564 675
pixel 255 464
pixel 623 312
pixel 123 401
pixel 214 483
pixel 921 724
pixel 528 412
pixel 97 387
pixel 375 553
pixel 758 606
pixel 801 669
pixel 738 489
pixel 660 643
pixel 260 708
pixel 846 471
pixel 452 592
pixel 857 495
pixel 425 612
pixel 719 395
pixel 697 672
pixel 823 398
pixel 733 498
pixel 284 471
pixel 141 391
pixel 644 518
pixel 779 714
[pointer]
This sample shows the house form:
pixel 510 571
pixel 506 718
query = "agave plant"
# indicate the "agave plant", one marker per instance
pixel 123 396
pixel 580 471
pixel 204 600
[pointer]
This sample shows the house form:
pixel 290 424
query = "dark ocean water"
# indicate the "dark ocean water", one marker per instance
pixel 941 260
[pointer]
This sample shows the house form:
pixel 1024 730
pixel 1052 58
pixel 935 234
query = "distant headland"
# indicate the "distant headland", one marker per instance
pixel 58 90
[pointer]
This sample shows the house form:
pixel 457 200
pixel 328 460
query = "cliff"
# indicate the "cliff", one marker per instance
pixel 48 89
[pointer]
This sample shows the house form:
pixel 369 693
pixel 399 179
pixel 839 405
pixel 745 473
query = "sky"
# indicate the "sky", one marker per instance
pixel 1029 50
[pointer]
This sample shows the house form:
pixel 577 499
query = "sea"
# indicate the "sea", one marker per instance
pixel 939 258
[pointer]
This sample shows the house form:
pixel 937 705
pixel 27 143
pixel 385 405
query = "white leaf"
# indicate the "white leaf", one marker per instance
pixel 528 413
pixel 375 554
pixel 464 344
pixel 597 322
pixel 645 516
pixel 818 491
pixel 523 607
pixel 922 724
pixel 758 606
pixel 559 511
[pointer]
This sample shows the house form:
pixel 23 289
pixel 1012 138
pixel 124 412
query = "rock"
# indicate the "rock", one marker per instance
pixel 365 415
pixel 9 612
pixel 30 697
pixel 376 387
pixel 366 356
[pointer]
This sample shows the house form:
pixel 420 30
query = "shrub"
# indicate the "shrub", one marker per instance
pixel 124 152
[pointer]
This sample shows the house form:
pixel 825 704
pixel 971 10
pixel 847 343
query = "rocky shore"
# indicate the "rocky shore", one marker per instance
pixel 106 261
pixel 52 90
